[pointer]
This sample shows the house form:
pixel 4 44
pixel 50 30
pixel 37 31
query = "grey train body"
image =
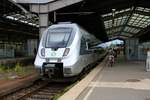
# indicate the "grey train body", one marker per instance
pixel 64 51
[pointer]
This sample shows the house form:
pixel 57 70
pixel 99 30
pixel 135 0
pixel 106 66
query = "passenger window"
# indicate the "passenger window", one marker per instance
pixel 83 46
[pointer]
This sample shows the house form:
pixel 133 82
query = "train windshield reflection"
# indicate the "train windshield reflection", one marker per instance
pixel 58 37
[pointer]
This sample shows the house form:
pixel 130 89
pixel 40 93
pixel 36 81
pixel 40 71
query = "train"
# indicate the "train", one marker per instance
pixel 65 50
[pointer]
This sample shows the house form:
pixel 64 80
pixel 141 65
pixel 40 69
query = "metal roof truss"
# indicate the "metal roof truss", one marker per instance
pixel 126 22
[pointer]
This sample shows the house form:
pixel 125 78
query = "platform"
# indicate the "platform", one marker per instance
pixel 126 80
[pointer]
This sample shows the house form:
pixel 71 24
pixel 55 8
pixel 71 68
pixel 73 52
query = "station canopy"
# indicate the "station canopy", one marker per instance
pixel 16 21
pixel 106 19
pixel 127 22
pixel 11 10
pixel 120 19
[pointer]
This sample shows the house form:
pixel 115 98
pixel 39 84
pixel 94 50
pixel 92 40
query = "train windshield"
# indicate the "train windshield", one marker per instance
pixel 58 37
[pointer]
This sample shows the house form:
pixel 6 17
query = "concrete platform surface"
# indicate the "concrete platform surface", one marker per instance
pixel 126 80
pixel 75 91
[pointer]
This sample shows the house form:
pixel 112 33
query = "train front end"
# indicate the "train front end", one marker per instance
pixel 57 52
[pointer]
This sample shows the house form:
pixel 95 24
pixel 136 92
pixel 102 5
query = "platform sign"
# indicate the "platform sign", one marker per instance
pixel 148 61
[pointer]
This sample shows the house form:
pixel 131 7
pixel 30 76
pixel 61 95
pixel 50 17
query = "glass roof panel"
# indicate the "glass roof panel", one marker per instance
pixel 126 23
pixel 131 30
pixel 139 20
pixel 143 9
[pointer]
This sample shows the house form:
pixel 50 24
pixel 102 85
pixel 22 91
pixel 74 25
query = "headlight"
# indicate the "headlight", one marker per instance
pixel 66 52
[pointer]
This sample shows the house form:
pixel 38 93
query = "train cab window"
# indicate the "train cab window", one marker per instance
pixel 58 37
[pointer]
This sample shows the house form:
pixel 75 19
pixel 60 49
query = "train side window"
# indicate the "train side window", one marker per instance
pixel 83 46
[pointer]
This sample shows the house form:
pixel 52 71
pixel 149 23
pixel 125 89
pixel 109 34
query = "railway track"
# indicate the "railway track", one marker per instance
pixel 43 90
pixel 38 91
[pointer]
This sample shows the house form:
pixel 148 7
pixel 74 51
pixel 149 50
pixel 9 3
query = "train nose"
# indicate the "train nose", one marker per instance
pixel 53 54
pixel 53 70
